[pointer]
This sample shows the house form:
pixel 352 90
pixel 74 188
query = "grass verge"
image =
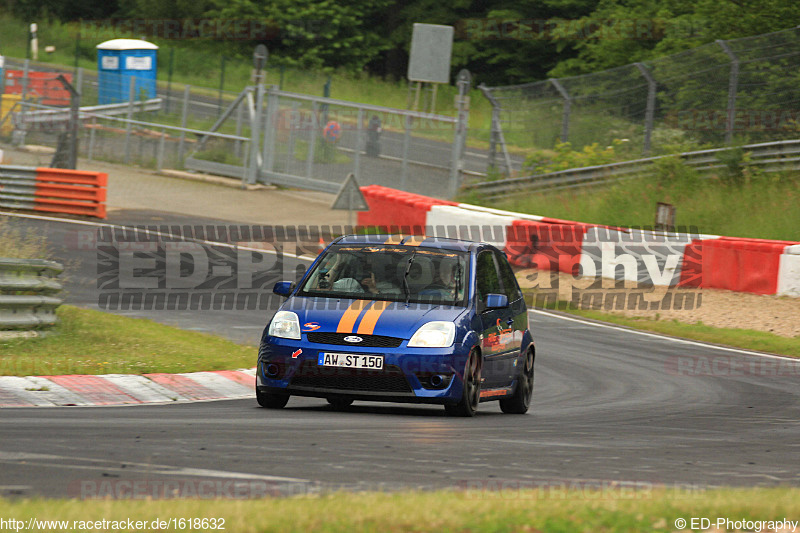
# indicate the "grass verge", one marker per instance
pixel 747 339
pixel 93 342
pixel 764 208
pixel 601 511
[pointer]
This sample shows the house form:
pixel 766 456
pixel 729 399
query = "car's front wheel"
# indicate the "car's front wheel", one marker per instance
pixel 270 400
pixel 471 395
pixel 519 403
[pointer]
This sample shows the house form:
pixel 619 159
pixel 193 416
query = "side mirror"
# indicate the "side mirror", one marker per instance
pixel 283 288
pixel 494 301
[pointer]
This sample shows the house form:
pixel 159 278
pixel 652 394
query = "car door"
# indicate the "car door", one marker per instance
pixel 496 324
pixel 515 317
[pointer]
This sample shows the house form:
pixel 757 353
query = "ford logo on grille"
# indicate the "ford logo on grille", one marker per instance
pixel 353 338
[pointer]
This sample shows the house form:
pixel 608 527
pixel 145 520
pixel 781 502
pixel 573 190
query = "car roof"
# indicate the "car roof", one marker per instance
pixel 442 243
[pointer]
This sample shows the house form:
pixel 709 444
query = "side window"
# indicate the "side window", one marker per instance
pixel 511 289
pixel 488 281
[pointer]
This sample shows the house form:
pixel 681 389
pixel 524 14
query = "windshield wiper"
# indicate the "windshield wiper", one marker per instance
pixel 405 276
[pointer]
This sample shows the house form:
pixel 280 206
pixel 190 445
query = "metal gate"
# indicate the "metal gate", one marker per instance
pixel 314 142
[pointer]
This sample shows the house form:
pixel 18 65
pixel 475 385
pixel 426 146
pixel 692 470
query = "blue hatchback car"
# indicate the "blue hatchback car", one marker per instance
pixel 402 319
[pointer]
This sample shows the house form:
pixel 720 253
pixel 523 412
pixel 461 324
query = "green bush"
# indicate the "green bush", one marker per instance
pixel 563 157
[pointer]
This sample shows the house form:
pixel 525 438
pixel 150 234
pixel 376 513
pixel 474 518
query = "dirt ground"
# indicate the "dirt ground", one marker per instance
pixel 717 308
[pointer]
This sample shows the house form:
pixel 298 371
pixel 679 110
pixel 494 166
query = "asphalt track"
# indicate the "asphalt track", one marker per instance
pixel 609 405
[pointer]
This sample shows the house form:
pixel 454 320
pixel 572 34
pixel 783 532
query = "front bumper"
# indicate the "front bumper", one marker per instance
pixel 416 375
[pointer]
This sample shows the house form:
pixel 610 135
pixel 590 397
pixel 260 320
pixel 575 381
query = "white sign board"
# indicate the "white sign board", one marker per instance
pixel 431 49
pixel 109 63
pixel 139 63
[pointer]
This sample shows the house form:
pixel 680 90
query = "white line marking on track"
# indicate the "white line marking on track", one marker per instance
pixel 662 337
pixel 64 461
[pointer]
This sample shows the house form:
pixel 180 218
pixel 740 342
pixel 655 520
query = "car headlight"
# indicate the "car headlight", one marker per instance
pixel 437 334
pixel 285 324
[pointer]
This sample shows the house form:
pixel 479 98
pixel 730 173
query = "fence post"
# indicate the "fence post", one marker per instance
pixel 255 132
pixel 406 144
pixel 359 143
pixel 90 155
pixel 74 121
pixel 493 139
pixel 184 113
pixel 79 81
pixel 169 77
pixel 733 82
pixel 497 130
pixel 161 145
pixel 295 113
pixel 457 163
pixel 273 106
pixel 312 140
pixel 239 116
pixel 651 104
pixel 221 85
pixel 129 126
pixel 567 109
pixel 23 106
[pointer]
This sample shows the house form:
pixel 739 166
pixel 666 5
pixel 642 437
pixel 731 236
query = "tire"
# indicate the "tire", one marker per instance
pixel 519 403
pixel 271 401
pixel 471 395
pixel 340 403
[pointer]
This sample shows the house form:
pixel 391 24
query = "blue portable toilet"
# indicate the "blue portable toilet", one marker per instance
pixel 119 60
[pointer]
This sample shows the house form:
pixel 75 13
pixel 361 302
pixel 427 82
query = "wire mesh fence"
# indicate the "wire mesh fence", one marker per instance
pixel 738 91
pixel 258 135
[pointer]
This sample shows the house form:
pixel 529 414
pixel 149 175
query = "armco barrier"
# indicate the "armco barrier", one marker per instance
pixel 55 190
pixel 27 293
pixel 685 260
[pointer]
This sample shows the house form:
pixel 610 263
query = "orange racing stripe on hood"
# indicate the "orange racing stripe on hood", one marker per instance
pixel 348 320
pixel 367 325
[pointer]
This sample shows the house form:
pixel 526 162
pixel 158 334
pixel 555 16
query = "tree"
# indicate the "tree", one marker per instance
pixel 314 33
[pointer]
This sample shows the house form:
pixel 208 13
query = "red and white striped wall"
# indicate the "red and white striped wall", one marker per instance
pixel 125 389
pixel 689 260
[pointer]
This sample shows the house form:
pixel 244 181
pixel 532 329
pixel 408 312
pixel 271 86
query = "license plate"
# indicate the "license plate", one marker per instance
pixel 348 360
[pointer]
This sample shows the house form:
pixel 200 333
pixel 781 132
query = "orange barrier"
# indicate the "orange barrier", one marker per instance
pixel 743 265
pixel 75 192
pixel 41 85
pixel 390 208
pixel 544 245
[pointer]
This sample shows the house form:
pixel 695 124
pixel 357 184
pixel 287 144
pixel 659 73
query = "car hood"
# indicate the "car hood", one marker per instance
pixel 394 319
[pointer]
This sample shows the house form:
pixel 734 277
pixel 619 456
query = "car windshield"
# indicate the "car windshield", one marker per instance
pixel 386 272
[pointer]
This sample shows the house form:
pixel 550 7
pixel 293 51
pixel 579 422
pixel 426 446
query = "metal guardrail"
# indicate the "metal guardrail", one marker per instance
pixel 50 115
pixel 17 187
pixel 28 293
pixel 768 157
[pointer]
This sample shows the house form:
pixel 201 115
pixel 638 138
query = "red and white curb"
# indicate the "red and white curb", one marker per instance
pixel 125 389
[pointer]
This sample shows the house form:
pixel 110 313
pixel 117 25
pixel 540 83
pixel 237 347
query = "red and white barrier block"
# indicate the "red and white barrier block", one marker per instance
pixel 589 250
pixel 55 190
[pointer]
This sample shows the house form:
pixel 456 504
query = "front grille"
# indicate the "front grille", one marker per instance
pixel 369 341
pixel 390 379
